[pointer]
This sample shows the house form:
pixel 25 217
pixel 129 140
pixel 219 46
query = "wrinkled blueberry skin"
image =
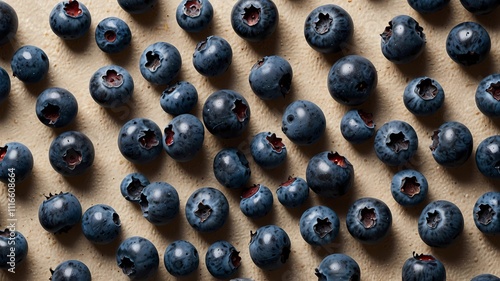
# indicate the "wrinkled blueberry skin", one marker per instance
pixel 403 40
pixel 18 159
pixel 68 24
pixel 226 114
pixel 179 99
pixel 264 153
pixel 329 174
pixel 423 96
pixel 70 270
pixel 65 150
pixel 352 80
pixel 485 277
pixel 409 187
pixel 423 268
pixel 231 168
pixel 4 82
pixel 271 77
pixel 303 122
pixel 111 86
pixel 222 259
pixel 328 28
pixel 137 6
pixel 488 157
pixel 59 101
pixel 357 126
pixel 101 224
pixel 181 258
pixel 468 43
pixel 29 64
pixel 160 63
pixel 112 35
pixel 140 140
pixel 9 239
pixel 192 18
pixel 440 223
pixel 187 139
pixel 60 212
pixel 266 17
pixel 369 234
pixel 269 247
pixel 488 97
pixel 451 144
pixel 132 186
pixel 480 7
pixel 395 153
pixel 207 201
pixel 293 193
pixel 8 23
pixel 487 213
pixel 338 267
pixel 212 56
pixel 258 204
pixel 319 225
pixel 159 203
pixel 428 6
pixel 138 258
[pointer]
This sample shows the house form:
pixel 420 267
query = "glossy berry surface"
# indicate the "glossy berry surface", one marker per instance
pixel 480 7
pixel 59 212
pixel 29 64
pixel 488 157
pixel 132 185
pixel 271 77
pixel 16 162
pixel 138 258
pixel 181 258
pixel 303 122
pixel 293 193
pixel 485 277
pixel 329 174
pixel 254 20
pixel 395 143
pixel 423 96
pixel 5 83
pixel 111 86
pixel 70 19
pixel 269 247
pixel 101 224
pixel 212 56
pixel 194 15
pixel 70 270
pixel 8 23
pixel 160 63
pixel 159 203
pixel 369 220
pixel 486 213
pixel 451 144
pixel 140 140
pixel 440 223
pixel 428 6
pixel 256 201
pixel 222 259
pixel 488 95
pixel 319 225
pixel 403 40
pixel 13 249
pixel 179 98
pixel 71 153
pixel 207 209
pixel 338 267
pixel 422 268
pixel 409 187
pixel 183 137
pixel 357 126
pixel 137 6
pixel 468 43
pixel 268 150
pixel 231 168
pixel 56 107
pixel 112 35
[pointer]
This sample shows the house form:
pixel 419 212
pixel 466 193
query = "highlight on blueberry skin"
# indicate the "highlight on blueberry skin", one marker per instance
pixel 488 157
pixel 403 40
pixel 71 270
pixel 112 35
pixel 56 107
pixel 222 259
pixel 338 267
pixel 369 220
pixel 428 6
pixel 101 224
pixel 132 185
pixel 357 126
pixel 468 43
pixel 452 144
pixel 254 20
pixel 268 150
pixel 159 203
pixel 409 187
pixel 59 212
pixel 16 162
pixel 160 63
pixel 181 258
pixel 303 122
pixel 231 168
pixel 293 192
pixel 70 19
pixel 271 78
pixel 135 7
pixel 207 209
pixel 212 56
pixel 423 267
pixel 395 143
pixel 440 223
pixel 138 258
pixel 319 225
pixel 488 95
pixel 329 174
pixel 269 247
pixel 194 15
pixel 29 64
pixel 12 257
pixel 71 153
pixel 8 23
pixel 486 213
pixel 140 140
pixel 256 201
pixel 423 96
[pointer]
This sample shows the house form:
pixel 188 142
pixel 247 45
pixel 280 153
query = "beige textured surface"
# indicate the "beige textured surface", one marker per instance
pixel 72 64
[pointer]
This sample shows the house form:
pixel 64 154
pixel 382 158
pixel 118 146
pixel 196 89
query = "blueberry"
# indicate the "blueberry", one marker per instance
pixel 184 137
pixel 8 23
pixel 71 153
pixel 4 80
pixel 13 249
pixel 160 63
pixel 159 203
pixel 409 187
pixel 101 224
pixel 428 6
pixel 212 56
pixel 357 126
pixel 485 277
pixel 112 35
pixel 488 157
pixel 267 150
pixel 329 174
pixel 487 213
pixel 319 225
pixel 231 168
pixel 254 20
pixel 395 143
pixel 29 64
pixel 207 209
pixel 179 98
pixel 468 43
pixel 222 259
pixel 269 247
pixel 423 96
pixel 140 140
pixel 293 192
pixel 352 80
pixel 256 201
pixel 111 86
pixel 328 28
pixel 226 114
pixel 422 268
pixel 271 77
pixel 59 212
pixel 16 163
pixel 338 267
pixel 56 107
pixel 181 258
pixel 70 270
pixel 303 122
pixel 70 19
pixel 440 223
pixel 137 6
pixel 480 7
pixel 451 144
pixel 369 220
pixel 138 258
pixel 132 186
pixel 403 40
pixel 488 95
pixel 194 15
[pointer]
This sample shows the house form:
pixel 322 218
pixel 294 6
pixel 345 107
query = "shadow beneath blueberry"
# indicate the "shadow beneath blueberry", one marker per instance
pixel 36 88
pixel 4 109
pixel 24 189
pixel 335 247
pixel 299 210
pixel 437 19
pixel 382 251
pixel 274 174
pixel 268 46
pixel 171 230
pixel 415 68
pixel 339 205
pixel 69 239
pixel 150 18
pixel 122 113
pixel 153 168
pixel 332 58
pixel 225 80
pixel 433 121
pixel 364 148
pixel 83 181
pixel 198 166
pixel 21 271
pixel 7 52
pixel 222 233
pixel 277 274
pixel 79 45
pixel 109 250
pixel 455 253
pixel 462 174
pixel 73 126
pixel 265 220
pixel 492 240
pixel 489 21
pixel 323 144
pixel 480 70
pixel 123 58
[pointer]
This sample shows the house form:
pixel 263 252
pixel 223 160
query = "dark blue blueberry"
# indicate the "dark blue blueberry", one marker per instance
pixel 16 163
pixel 101 224
pixel 71 153
pixel 29 64
pixel 4 80
pixel 267 150
pixel 226 114
pixel 231 168
pixel 56 107
pixel 303 122
pixel 254 20
pixel 328 28
pixel 485 277
pixel 488 95
pixel 111 86
pixel 207 209
pixel 59 212
pixel 487 213
pixel 451 144
pixel 184 137
pixel 140 140
pixel 159 203
pixel 179 99
pixel 403 40
pixel 256 201
pixel 13 249
pixel 395 143
pixel 369 220
pixel 222 259
pixel 423 96
pixel 8 23
pixel 137 6
pixel 132 186
pixel 319 225
pixel 352 80
pixel 480 7
pixel 488 157
pixel 194 15
pixel 338 267
pixel 160 63
pixel 329 174
pixel 271 77
pixel 269 247
pixel 112 35
pixel 428 6
pixel 293 192
pixel 212 56
pixel 409 187
pixel 70 19
pixel 468 43
pixel 71 270
pixel 138 258
pixel 181 258
pixel 357 126
pixel 440 223
pixel 423 268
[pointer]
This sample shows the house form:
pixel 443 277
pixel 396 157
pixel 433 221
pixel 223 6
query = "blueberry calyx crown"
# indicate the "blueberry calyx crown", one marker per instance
pixel 192 8
pixel 112 79
pixel 410 186
pixel 51 113
pixel 433 219
pixel 426 89
pixel 367 217
pixel 240 109
pixel 289 181
pixel 52 195
pixel 323 227
pixel 127 265
pixel 147 139
pixel 5 233
pixel 367 118
pixel 398 142
pixel 387 34
pixel 251 15
pixel 337 159
pixel 3 152
pixel 494 90
pixel 72 158
pixel 275 142
pixel 203 212
pixel 435 140
pixel 143 202
pixel 250 191
pixel 423 257
pixel 72 9
pixel 485 214
pixel 169 135
pixel 153 61
pixel 135 187
pixel 323 24
pixel 235 258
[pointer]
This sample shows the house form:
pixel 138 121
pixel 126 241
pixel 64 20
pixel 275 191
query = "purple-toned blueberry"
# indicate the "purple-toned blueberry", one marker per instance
pixel 179 98
pixel 132 186
pixel 423 267
pixel 254 20
pixel 480 7
pixel 395 143
pixel 267 150
pixel 194 15
pixel 271 77
pixel 13 249
pixel 488 95
pixel 336 267
pixel 8 23
pixel 440 223
pixel 159 203
pixel 468 43
pixel 486 213
pixel 137 6
pixel 16 163
pixel 140 140
pixel 231 168
pixel 212 56
pixel 70 19
pixel 409 187
pixel 29 64
pixel 428 6
pixel 403 40
pixel 160 63
pixel 357 126
pixel 56 107
pixel 71 270
pixel 111 86
pixel 59 212
pixel 222 259
pixel 269 247
pixel 369 220
pixel 181 258
pixel 293 192
pixel 101 224
pixel 207 209
pixel 423 96
pixel 71 153
pixel 488 157
pixel 112 35
pixel 319 225
pixel 329 174
pixel 183 137
pixel 256 201
pixel 451 144
pixel 5 83
pixel 138 258
pixel 303 122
